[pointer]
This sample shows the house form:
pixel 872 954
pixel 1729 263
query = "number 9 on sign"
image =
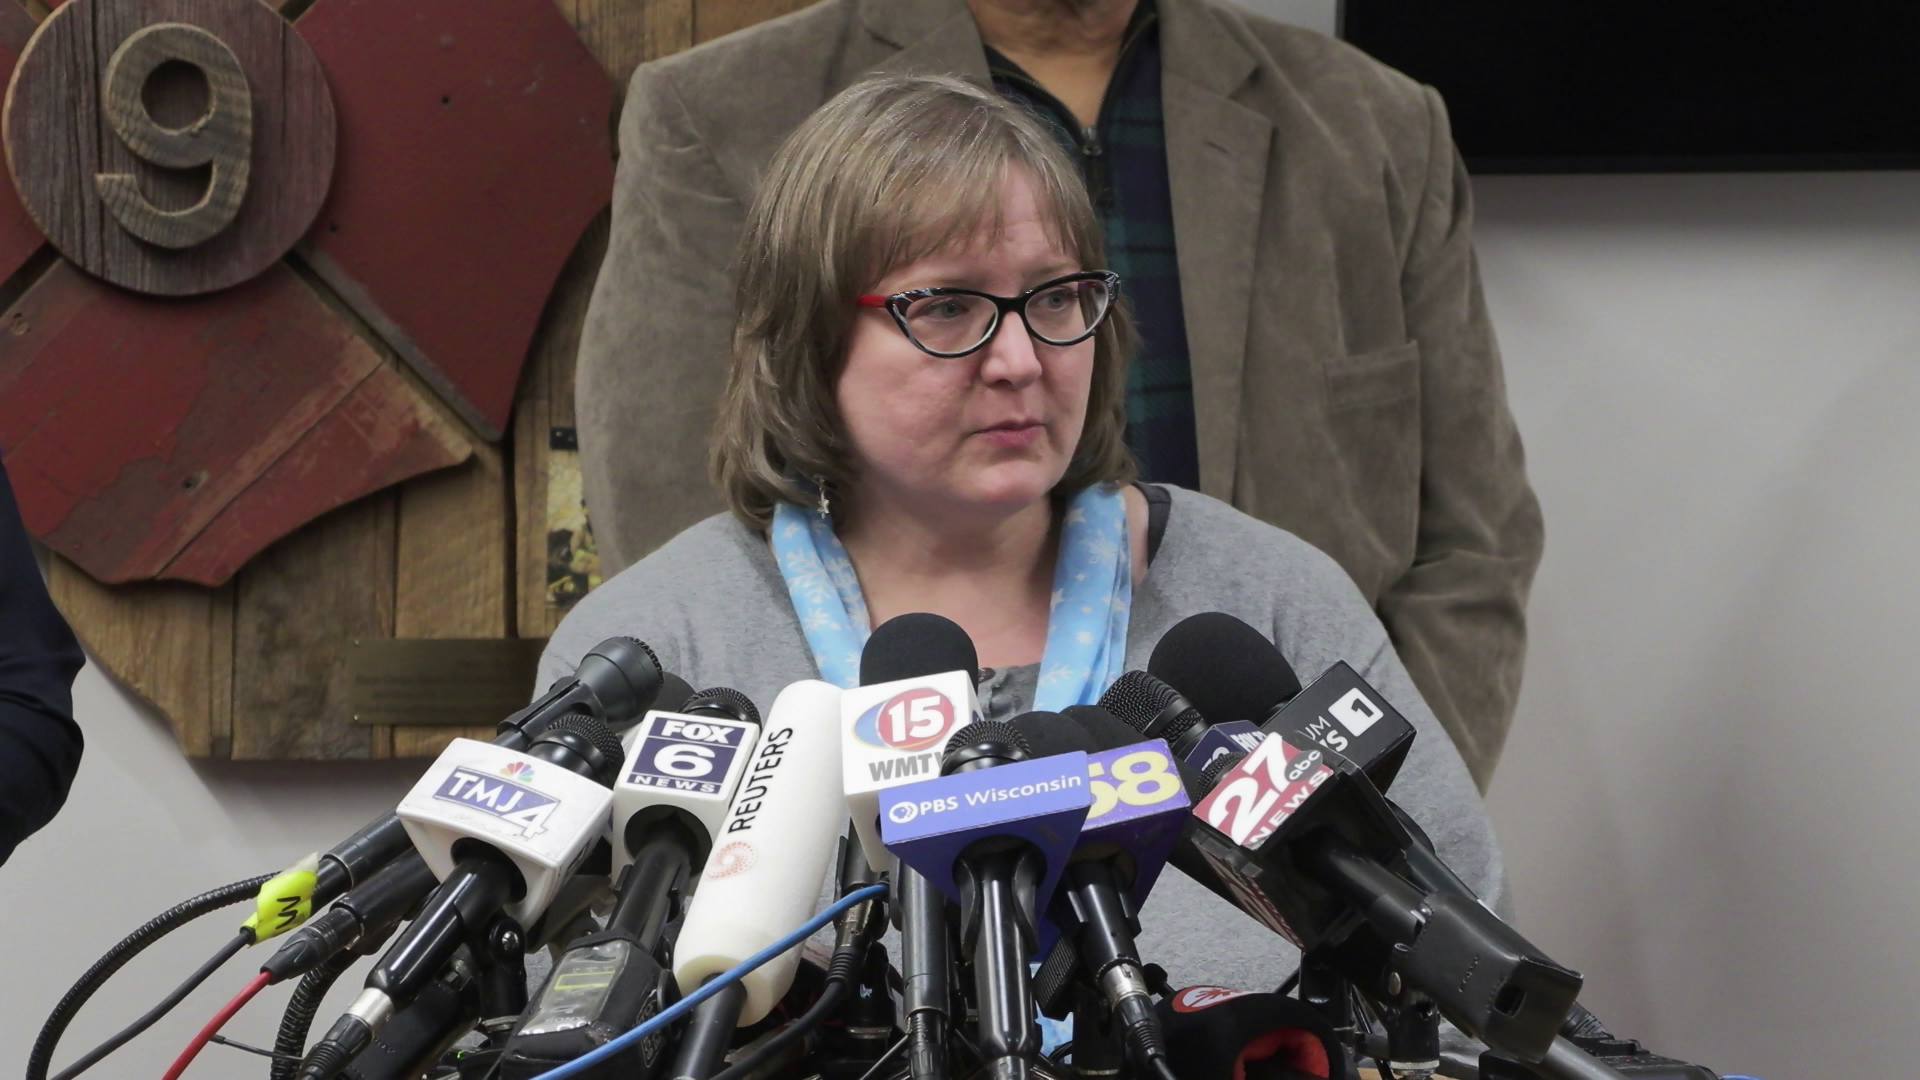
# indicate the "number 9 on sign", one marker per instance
pixel 221 139
pixel 1142 778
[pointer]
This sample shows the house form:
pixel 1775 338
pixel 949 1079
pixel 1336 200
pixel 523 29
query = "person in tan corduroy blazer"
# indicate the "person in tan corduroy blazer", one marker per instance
pixel 1346 382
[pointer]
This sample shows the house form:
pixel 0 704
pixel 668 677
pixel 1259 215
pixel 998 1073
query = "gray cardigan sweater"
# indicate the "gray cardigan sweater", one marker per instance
pixel 712 604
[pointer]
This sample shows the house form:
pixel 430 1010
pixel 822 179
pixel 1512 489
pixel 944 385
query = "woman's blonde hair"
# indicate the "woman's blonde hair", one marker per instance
pixel 892 170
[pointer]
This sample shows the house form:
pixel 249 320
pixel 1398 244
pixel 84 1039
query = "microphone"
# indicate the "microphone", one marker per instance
pixel 680 776
pixel 916 689
pixel 773 851
pixel 1158 711
pixel 1138 809
pixel 994 832
pixel 1308 886
pixel 915 664
pixel 1318 855
pixel 617 680
pixel 502 830
pixel 1230 671
pixel 364 913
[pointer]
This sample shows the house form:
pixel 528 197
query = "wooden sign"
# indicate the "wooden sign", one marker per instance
pixel 172 147
pixel 263 666
pixel 476 145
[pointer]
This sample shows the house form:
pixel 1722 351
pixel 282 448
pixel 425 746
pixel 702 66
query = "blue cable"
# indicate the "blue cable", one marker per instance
pixel 713 986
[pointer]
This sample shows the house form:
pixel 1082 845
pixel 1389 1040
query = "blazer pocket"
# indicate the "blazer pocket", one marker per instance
pixel 1381 377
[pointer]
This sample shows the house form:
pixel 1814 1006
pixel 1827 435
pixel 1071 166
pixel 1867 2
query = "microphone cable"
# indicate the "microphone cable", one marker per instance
pixel 290 1044
pixel 226 1013
pixel 713 986
pixel 839 983
pixel 41 1057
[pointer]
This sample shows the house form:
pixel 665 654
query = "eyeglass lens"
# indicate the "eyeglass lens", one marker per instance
pixel 958 322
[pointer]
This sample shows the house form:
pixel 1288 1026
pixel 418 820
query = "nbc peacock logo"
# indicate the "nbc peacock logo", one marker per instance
pixel 517 770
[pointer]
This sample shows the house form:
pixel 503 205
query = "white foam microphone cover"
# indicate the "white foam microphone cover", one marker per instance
pixel 762 879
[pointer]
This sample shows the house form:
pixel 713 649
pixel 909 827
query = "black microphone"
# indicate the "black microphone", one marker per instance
pixel 459 808
pixel 1319 855
pixel 675 788
pixel 998 924
pixel 1095 908
pixel 1330 872
pixel 364 912
pixel 915 646
pixel 617 681
pixel 1227 669
pixel 1230 672
pixel 1158 711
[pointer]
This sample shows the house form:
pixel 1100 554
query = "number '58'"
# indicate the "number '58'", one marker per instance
pixel 1144 778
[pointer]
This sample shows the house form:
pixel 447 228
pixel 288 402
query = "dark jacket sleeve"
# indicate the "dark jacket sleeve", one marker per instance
pixel 1458 615
pixel 39 657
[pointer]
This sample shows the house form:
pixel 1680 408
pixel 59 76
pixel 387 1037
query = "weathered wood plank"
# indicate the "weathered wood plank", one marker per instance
pixel 300 603
pixel 20 236
pixel 547 403
pixel 497 114
pixel 717 18
pixel 382 433
pixel 623 34
pixel 453 577
pixel 133 425
pixel 170 643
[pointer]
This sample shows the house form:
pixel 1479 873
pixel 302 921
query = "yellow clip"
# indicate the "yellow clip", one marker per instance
pixel 285 901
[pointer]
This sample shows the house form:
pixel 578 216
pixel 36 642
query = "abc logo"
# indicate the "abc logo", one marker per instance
pixel 917 719
pixel 1196 998
pixel 903 813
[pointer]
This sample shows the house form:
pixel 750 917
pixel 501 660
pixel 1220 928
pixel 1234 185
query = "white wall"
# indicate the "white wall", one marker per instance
pixel 1707 802
pixel 143 830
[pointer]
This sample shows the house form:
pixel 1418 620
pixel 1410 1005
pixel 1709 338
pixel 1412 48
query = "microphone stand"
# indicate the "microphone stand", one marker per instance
pixel 997 883
pixel 1332 997
pixel 1097 1055
pixel 924 964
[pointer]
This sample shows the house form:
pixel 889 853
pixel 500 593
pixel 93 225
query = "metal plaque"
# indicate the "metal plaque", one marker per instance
pixel 455 682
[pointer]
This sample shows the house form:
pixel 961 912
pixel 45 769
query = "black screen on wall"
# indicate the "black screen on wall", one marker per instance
pixel 1685 85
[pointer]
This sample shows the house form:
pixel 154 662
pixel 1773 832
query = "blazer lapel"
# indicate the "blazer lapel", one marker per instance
pixel 918 37
pixel 1217 170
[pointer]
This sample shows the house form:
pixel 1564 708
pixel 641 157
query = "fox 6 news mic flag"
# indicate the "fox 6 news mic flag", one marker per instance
pixel 893 733
pixel 683 763
pixel 543 817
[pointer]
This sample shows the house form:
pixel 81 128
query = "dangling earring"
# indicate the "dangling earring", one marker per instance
pixel 820 485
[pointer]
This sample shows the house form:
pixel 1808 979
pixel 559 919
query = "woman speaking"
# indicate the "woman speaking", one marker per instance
pixel 925 412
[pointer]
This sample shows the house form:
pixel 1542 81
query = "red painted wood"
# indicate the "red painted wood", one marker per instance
pixel 19 236
pixel 381 434
pixel 131 423
pixel 474 148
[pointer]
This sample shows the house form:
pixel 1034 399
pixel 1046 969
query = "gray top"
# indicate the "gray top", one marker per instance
pixel 712 604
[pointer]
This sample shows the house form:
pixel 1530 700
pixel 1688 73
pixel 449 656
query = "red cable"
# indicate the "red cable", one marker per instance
pixel 214 1025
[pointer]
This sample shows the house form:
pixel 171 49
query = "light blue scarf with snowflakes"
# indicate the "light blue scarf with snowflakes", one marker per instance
pixel 1086 633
